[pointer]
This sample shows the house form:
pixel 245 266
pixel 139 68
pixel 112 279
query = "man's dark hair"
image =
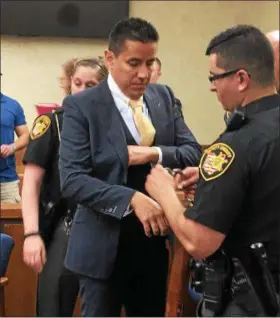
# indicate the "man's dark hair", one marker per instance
pixel 134 29
pixel 244 47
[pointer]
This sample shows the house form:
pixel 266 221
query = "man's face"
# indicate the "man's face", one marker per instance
pixel 132 68
pixel 156 72
pixel 229 90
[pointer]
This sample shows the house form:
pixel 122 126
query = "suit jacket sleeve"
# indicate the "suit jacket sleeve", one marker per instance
pixel 77 171
pixel 186 150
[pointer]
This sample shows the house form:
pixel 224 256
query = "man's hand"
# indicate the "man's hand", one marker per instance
pixel 186 181
pixel 138 155
pixel 150 215
pixel 34 253
pixel 159 182
pixel 6 151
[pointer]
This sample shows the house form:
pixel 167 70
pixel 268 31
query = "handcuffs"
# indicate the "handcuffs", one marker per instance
pixel 173 173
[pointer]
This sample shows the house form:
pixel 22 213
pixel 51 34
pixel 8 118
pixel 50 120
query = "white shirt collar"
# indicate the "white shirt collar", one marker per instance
pixel 116 91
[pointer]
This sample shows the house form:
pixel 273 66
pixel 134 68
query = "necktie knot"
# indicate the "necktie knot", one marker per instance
pixel 135 104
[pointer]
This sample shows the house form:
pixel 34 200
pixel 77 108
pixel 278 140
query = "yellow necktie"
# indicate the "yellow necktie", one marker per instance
pixel 142 123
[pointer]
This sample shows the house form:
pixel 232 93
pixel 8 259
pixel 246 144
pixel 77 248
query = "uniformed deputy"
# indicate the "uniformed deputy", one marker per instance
pixel 47 216
pixel 232 228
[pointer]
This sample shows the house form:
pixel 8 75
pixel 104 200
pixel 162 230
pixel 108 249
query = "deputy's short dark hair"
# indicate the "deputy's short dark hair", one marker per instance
pixel 244 47
pixel 134 29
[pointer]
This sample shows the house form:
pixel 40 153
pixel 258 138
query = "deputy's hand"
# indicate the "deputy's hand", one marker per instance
pixel 186 181
pixel 159 182
pixel 34 253
pixel 139 155
pixel 6 151
pixel 150 215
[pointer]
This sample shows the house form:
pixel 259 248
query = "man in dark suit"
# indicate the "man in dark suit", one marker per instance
pixel 111 135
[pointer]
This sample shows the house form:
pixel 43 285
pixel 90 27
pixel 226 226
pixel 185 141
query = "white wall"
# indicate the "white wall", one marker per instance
pixel 31 66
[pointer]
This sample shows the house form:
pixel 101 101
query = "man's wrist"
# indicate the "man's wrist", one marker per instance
pixel 133 202
pixel 133 199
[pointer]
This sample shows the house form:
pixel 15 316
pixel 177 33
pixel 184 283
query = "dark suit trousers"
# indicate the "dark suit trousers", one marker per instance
pixel 138 281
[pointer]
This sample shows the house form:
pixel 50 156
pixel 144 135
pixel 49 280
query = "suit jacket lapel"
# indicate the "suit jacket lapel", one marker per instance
pixel 112 124
pixel 156 112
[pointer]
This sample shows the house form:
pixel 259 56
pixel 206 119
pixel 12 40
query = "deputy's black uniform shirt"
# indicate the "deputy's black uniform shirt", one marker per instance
pixel 43 151
pixel 238 193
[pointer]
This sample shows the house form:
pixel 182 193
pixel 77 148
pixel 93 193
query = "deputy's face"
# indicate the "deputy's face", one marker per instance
pixel 84 77
pixel 228 89
pixel 132 68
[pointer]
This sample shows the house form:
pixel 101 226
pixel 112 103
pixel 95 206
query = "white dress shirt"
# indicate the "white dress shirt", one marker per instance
pixel 122 103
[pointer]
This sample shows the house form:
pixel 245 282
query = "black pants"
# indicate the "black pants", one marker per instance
pixel 138 281
pixel 57 287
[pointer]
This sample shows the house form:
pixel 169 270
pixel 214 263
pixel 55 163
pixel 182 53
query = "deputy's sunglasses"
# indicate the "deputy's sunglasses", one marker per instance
pixel 214 77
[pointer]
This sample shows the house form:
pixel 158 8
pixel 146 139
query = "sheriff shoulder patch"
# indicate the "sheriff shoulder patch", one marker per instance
pixel 215 161
pixel 40 126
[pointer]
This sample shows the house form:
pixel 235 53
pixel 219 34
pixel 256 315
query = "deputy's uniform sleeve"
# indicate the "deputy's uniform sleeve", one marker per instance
pixel 222 186
pixel 41 141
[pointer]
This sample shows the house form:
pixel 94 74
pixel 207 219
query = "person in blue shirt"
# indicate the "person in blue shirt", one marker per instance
pixel 12 121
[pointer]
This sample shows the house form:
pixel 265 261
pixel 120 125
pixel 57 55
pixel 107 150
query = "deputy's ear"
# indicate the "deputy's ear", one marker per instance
pixel 244 80
pixel 109 59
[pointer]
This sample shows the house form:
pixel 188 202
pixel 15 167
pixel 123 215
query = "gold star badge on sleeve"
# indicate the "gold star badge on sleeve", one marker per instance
pixel 215 161
pixel 40 126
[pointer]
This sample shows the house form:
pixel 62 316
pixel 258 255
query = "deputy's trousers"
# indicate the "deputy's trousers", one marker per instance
pixel 57 287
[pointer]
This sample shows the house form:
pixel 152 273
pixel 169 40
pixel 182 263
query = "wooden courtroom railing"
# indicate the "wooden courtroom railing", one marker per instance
pixel 3 282
pixel 20 296
pixel 179 303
